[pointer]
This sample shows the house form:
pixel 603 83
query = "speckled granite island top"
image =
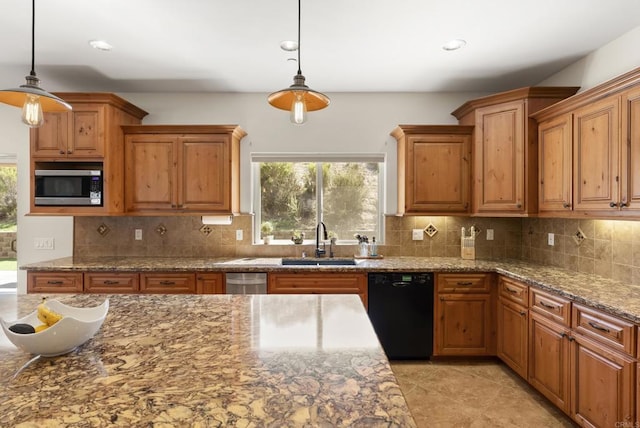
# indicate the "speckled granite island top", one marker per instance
pixel 612 296
pixel 208 361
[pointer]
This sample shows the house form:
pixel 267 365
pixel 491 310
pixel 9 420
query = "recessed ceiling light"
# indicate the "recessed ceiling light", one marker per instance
pixel 289 45
pixel 454 44
pixel 100 45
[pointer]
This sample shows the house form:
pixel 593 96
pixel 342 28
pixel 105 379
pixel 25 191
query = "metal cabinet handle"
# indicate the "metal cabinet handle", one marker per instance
pixel 523 313
pixel 566 205
pixel 511 290
pixel 548 306
pixel 613 204
pixel 623 204
pixel 167 283
pixel 518 205
pixel 52 282
pixel 464 283
pixel 599 327
pixel 109 282
pixel 69 152
pixel 62 152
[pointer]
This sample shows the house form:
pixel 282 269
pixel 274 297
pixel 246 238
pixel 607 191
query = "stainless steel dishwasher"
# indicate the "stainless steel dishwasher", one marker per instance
pixel 246 283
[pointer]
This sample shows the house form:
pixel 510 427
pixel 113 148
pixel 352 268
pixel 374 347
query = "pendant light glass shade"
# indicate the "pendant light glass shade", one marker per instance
pixel 298 98
pixel 33 99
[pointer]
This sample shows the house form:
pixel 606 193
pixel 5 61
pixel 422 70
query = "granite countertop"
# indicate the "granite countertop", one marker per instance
pixel 612 296
pixel 207 360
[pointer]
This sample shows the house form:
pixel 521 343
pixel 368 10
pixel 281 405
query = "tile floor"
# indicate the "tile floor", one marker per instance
pixel 482 393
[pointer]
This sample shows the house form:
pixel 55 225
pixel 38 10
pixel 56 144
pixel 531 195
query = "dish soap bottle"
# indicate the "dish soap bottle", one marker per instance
pixel 373 248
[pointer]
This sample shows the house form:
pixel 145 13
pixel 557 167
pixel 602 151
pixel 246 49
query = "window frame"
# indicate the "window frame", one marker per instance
pixel 257 158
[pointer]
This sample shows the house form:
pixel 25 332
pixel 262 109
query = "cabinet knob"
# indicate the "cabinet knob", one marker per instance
pixel 518 205
pixel 623 204
pixel 69 152
pixel 613 205
pixel 62 152
pixel 566 205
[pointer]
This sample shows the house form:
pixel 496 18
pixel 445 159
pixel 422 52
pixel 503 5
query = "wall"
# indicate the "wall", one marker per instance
pixel 184 236
pixel 611 60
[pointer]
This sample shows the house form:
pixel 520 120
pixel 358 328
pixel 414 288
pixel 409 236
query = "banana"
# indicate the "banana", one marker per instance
pixel 46 315
pixel 41 327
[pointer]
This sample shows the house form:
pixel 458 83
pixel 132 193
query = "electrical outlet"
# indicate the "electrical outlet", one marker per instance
pixel 239 235
pixel 489 234
pixel 417 235
pixel 551 239
pixel 138 234
pixel 43 243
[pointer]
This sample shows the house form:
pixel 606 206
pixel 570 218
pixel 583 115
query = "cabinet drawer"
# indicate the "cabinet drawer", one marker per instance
pixel 110 282
pixel 609 330
pixel 551 306
pixel 463 283
pixel 168 283
pixel 514 291
pixel 54 282
pixel 316 283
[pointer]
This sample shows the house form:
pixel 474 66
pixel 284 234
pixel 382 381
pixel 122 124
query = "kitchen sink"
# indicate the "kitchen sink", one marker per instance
pixel 312 261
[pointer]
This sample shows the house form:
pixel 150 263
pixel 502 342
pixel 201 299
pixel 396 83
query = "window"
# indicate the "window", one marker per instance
pixel 293 193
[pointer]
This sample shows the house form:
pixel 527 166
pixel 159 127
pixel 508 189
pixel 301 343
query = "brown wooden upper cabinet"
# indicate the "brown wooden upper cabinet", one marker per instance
pixel 505 169
pixel 590 151
pixel 189 169
pixel 90 132
pixel 434 166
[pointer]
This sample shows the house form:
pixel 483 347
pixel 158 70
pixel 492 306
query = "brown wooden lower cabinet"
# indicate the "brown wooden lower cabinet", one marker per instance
pixel 54 282
pixel 168 283
pixel 549 367
pixel 318 283
pixel 111 282
pixel 464 315
pixel 512 344
pixel 210 283
pixel 603 385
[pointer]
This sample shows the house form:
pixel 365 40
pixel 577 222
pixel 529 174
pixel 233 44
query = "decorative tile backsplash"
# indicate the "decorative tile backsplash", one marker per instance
pixel 610 248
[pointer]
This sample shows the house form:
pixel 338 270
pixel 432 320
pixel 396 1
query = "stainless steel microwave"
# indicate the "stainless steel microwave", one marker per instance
pixel 68 187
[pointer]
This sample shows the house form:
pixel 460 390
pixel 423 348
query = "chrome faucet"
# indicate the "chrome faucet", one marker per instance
pixel 321 251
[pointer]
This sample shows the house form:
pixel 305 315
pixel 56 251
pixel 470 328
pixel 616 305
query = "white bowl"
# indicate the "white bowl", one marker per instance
pixel 76 327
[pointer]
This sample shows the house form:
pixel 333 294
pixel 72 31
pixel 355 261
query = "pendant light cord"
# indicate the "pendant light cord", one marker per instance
pixel 33 38
pixel 299 65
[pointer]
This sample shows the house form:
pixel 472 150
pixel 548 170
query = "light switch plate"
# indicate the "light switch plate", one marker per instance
pixel 138 234
pixel 417 235
pixel 489 234
pixel 43 243
pixel 551 239
pixel 239 235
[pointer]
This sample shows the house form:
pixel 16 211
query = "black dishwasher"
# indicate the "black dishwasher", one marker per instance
pixel 401 311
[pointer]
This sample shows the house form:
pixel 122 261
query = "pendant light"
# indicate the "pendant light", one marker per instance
pixel 33 99
pixel 298 98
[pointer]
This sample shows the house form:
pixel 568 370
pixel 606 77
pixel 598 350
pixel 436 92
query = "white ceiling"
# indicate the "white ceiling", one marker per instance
pixel 347 45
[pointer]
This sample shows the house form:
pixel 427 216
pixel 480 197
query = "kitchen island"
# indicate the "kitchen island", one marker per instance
pixel 207 360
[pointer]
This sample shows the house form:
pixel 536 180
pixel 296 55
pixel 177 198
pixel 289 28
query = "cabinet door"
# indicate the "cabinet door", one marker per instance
pixel 596 133
pixel 87 131
pixel 603 386
pixel 150 172
pixel 437 173
pixel 555 167
pixel 209 283
pixel 110 282
pixel 463 324
pixel 316 283
pixel 50 139
pixel 513 336
pixel 549 359
pixel 499 181
pixel 168 283
pixel 203 173
pixel 630 192
pixel 54 282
